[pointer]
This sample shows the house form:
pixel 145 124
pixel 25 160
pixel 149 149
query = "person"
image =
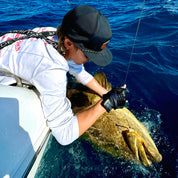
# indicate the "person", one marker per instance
pixel 83 36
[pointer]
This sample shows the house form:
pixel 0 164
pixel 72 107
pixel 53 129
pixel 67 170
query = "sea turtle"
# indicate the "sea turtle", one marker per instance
pixel 118 132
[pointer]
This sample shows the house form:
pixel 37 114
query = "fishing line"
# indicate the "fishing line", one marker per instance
pixel 133 47
pixel 134 42
pixel 69 3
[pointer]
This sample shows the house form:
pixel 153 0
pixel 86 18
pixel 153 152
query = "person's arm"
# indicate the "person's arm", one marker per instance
pixel 87 118
pixel 113 99
pixel 85 78
pixel 95 86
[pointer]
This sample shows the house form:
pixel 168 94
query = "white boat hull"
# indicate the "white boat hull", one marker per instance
pixel 22 130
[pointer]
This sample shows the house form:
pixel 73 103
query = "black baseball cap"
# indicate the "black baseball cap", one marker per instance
pixel 90 31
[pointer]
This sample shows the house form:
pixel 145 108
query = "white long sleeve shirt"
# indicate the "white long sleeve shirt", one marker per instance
pixel 39 64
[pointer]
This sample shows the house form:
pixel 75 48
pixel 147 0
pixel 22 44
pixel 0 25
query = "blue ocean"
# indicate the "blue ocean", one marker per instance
pixel 147 55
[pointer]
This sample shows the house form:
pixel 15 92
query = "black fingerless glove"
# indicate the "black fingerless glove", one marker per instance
pixel 115 98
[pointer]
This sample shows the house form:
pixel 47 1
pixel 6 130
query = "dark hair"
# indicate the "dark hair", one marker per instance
pixel 60 36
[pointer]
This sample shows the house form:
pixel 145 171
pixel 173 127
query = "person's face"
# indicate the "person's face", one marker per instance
pixel 74 53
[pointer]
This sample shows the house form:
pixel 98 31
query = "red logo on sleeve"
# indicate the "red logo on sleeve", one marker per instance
pixel 17 45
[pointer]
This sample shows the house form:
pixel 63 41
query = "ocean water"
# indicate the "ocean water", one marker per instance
pixel 152 80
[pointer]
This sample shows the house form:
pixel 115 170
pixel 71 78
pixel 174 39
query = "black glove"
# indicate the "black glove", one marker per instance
pixel 115 98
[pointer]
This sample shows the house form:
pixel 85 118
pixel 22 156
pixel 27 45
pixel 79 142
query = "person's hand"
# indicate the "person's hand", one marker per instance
pixel 116 98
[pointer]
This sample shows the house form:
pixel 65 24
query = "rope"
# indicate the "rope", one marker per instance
pixel 134 42
pixel 18 79
pixel 30 34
